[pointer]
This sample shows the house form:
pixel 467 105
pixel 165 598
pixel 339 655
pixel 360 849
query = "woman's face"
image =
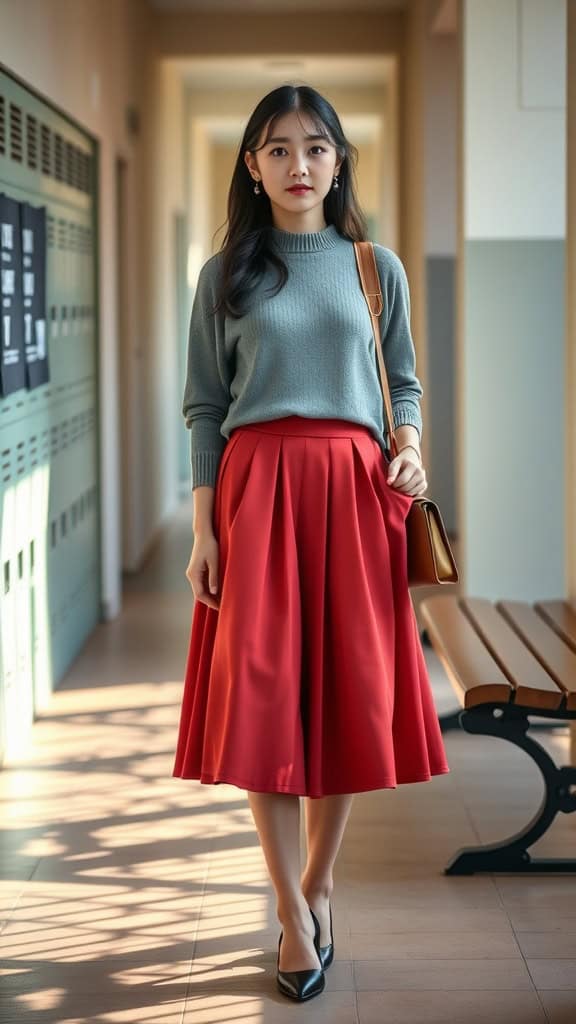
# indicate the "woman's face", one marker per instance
pixel 292 155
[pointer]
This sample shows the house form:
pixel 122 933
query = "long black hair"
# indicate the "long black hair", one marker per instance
pixel 246 244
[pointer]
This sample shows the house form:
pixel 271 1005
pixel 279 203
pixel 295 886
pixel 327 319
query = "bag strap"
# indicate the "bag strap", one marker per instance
pixel 370 281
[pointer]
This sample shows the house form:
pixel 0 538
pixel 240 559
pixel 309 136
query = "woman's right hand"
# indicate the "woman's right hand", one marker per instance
pixel 202 571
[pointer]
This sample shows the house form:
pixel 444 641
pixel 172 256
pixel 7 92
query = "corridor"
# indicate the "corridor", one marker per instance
pixel 130 896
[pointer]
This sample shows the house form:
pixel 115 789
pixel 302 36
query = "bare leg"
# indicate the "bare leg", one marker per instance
pixel 277 820
pixel 326 819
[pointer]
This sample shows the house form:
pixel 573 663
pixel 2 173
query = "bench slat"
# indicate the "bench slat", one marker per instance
pixel 475 676
pixel 561 616
pixel 534 686
pixel 556 656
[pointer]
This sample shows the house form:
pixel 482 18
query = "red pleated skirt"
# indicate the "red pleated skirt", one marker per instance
pixel 310 676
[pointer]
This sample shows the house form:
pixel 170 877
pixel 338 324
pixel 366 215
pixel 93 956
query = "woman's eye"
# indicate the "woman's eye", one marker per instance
pixel 278 148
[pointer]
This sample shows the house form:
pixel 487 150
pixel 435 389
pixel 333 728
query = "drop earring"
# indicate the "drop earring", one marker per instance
pixel 257 188
pixel 335 185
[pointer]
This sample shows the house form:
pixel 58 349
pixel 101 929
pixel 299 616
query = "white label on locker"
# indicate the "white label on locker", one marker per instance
pixel 28 240
pixel 7 322
pixel 28 283
pixel 7 236
pixel 27 328
pixel 8 281
pixel 41 338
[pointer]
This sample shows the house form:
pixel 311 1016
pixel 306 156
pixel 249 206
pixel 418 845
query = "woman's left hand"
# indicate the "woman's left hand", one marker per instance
pixel 407 474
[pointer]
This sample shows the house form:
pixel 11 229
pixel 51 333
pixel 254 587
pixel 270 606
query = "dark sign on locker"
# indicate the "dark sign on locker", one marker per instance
pixel 12 364
pixel 33 219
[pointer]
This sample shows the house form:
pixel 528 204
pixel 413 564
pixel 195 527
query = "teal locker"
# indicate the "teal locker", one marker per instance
pixel 49 486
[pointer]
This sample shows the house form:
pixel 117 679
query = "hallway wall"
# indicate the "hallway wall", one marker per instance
pixel 512 349
pixel 440 209
pixel 109 74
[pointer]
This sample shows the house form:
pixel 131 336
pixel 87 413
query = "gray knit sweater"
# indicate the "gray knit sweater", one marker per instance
pixel 309 351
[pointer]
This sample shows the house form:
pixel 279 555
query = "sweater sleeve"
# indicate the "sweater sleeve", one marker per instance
pixel 207 389
pixel 397 344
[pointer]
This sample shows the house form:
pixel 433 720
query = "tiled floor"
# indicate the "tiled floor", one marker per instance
pixel 128 895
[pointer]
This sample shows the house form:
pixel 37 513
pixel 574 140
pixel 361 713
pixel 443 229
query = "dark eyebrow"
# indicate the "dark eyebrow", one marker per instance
pixel 283 138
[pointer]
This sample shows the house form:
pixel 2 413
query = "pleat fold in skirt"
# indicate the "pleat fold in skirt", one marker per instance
pixel 310 677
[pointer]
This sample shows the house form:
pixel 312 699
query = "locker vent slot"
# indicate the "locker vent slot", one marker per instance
pixel 59 162
pixel 70 162
pixel 16 133
pixel 85 184
pixel 32 141
pixel 61 234
pixel 6 465
pixel 33 450
pixel 2 126
pixel 46 137
pixel 20 458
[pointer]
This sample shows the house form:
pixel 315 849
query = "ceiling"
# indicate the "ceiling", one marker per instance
pixel 225 73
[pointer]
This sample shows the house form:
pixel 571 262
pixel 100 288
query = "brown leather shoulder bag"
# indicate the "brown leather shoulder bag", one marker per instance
pixel 430 558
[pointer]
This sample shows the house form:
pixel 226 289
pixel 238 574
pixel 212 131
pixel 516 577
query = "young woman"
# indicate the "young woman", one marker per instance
pixel 305 674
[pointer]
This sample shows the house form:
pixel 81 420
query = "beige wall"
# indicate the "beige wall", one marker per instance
pixel 164 198
pixel 222 159
pixel 412 186
pixel 369 174
pixel 335 32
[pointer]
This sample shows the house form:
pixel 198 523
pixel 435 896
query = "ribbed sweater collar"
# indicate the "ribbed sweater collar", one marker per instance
pixel 305 241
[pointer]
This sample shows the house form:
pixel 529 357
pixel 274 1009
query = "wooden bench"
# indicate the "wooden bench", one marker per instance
pixel 508 660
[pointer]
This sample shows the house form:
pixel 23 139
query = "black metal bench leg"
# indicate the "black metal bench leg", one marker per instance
pixel 511 722
pixel 450 720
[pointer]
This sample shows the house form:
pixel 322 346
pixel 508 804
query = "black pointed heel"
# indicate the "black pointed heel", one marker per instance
pixel 326 953
pixel 301 985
